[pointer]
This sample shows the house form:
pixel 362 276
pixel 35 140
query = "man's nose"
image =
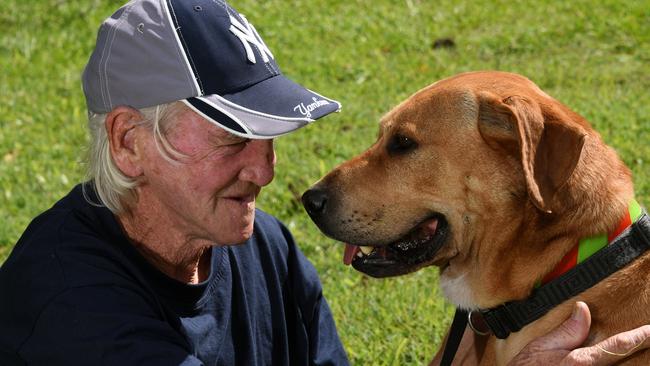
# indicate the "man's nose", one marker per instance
pixel 260 168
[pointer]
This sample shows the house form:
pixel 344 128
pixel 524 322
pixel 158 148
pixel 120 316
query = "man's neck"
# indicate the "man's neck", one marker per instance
pixel 175 253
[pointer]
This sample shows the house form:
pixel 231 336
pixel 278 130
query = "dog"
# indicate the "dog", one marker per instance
pixel 489 178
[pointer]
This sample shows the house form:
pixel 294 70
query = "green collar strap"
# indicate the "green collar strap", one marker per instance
pixel 586 247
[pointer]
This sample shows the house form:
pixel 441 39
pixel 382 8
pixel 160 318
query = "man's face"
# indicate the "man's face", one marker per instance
pixel 211 193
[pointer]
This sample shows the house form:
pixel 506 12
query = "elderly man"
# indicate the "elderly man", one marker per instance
pixel 137 266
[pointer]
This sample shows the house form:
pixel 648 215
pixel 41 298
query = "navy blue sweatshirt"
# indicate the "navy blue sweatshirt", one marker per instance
pixel 74 291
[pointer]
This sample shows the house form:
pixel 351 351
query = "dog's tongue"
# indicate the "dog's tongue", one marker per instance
pixel 350 252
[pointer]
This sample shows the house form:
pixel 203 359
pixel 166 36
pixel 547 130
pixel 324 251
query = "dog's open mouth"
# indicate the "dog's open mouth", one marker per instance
pixel 409 253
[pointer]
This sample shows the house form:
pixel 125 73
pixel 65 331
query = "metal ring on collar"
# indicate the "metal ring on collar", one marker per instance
pixel 477 323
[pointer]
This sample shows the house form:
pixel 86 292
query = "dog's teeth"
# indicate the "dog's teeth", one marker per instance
pixel 359 254
pixel 366 250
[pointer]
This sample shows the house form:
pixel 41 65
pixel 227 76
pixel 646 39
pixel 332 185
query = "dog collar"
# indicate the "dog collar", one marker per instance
pixel 589 262
pixel 586 247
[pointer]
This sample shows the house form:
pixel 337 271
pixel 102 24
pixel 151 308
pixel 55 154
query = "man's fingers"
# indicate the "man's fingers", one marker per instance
pixel 570 334
pixel 554 346
pixel 613 349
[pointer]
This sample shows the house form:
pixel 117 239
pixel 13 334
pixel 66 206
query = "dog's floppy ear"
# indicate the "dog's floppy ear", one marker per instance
pixel 549 148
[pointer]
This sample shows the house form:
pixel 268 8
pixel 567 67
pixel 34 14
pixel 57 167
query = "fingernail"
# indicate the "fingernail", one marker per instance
pixel 575 315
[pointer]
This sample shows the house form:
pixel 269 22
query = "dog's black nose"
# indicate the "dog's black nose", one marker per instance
pixel 314 201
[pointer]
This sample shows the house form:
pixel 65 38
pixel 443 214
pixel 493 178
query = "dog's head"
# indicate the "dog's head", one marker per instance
pixel 455 170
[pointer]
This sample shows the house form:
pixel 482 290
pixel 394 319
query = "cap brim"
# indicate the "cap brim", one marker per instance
pixel 268 109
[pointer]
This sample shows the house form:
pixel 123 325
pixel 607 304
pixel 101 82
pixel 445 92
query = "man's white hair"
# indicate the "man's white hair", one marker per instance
pixel 114 189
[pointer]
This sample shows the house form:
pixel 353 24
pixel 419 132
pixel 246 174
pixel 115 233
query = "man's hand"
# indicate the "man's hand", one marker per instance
pixel 558 347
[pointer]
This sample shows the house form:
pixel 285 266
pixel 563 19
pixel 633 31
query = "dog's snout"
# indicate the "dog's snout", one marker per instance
pixel 315 201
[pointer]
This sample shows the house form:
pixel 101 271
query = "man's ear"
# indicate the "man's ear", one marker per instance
pixel 120 127
pixel 549 149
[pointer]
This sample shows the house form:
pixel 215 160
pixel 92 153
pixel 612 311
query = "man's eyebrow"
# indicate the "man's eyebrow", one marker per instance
pixel 225 138
pixel 233 137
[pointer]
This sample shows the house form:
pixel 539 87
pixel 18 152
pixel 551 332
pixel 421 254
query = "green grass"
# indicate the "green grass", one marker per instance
pixel 593 56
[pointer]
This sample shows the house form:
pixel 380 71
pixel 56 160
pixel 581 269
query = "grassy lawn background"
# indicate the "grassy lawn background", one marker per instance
pixel 593 56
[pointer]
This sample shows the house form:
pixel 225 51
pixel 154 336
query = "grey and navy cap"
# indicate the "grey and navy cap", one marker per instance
pixel 201 52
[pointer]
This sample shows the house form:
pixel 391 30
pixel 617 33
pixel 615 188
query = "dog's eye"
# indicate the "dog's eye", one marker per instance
pixel 400 144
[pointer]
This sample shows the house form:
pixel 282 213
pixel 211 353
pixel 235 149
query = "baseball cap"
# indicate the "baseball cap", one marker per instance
pixel 203 53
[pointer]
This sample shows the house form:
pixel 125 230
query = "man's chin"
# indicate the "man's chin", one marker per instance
pixel 245 235
pixel 232 228
pixel 237 236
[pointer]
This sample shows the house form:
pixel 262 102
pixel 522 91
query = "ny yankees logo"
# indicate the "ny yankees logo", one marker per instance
pixel 248 35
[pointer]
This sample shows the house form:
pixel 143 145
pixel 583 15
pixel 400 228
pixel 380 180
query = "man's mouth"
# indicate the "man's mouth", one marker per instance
pixel 409 253
pixel 243 198
pixel 244 201
pixel 243 195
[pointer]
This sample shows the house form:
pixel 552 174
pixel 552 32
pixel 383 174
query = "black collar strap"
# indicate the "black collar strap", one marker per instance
pixel 456 331
pixel 512 316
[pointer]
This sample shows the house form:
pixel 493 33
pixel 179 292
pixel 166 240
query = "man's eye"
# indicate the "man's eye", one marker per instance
pixel 241 142
pixel 237 143
pixel 400 144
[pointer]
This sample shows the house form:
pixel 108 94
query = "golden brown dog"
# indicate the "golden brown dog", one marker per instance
pixel 489 178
